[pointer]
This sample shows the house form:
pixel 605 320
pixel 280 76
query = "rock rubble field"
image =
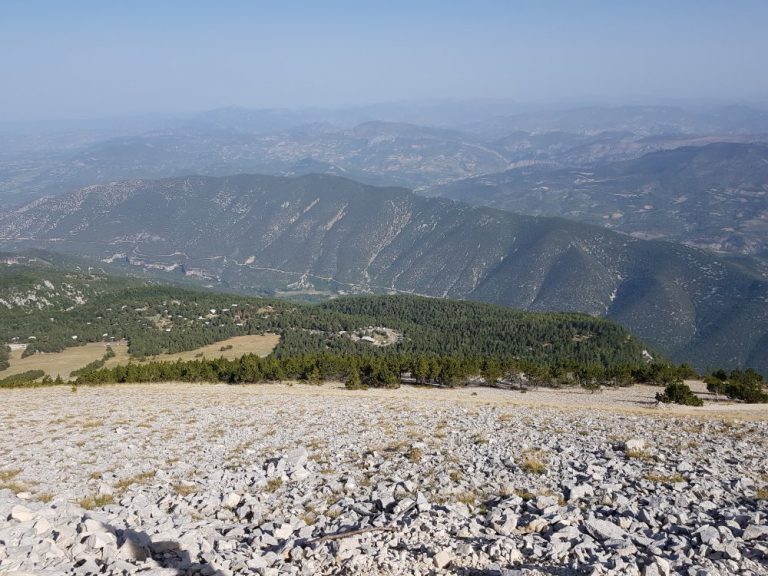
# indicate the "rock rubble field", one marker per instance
pixel 302 480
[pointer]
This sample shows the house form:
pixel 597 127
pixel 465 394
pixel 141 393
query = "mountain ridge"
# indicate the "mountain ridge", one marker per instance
pixel 324 233
pixel 713 196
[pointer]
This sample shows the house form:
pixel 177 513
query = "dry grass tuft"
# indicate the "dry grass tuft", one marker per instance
pixel 479 438
pixel 91 502
pixel 141 478
pixel 184 489
pixel 643 455
pixel 534 462
pixel 92 424
pixel 7 481
pixel 415 455
pixel 273 484
pixel 664 478
pixel 6 475
pixel 467 497
pixel 526 495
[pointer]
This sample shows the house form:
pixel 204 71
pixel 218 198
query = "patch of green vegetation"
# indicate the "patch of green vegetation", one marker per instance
pixel 746 385
pixel 440 341
pixel 23 380
pixel 4 357
pixel 96 364
pixel 526 495
pixel 93 306
pixel 679 393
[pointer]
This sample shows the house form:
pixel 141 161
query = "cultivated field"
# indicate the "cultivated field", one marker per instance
pixel 298 479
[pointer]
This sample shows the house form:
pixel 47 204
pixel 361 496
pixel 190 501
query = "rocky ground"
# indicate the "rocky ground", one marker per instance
pixel 216 480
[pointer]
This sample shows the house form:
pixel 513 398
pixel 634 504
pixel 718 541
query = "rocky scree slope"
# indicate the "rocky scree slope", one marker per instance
pixel 214 480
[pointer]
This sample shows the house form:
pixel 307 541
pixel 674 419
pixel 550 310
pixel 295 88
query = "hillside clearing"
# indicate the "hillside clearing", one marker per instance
pixel 65 362
pixel 235 347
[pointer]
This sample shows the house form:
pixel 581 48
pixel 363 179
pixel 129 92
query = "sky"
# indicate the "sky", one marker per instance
pixel 63 59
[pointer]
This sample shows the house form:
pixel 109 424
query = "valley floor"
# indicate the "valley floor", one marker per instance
pixel 178 479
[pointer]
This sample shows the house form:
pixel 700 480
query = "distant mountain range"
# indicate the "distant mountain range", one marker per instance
pixel 355 143
pixel 323 233
pixel 713 196
pixel 375 152
pixel 640 120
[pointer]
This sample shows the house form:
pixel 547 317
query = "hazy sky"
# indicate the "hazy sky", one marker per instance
pixel 78 58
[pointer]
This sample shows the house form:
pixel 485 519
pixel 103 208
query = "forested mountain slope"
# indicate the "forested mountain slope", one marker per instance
pixel 254 233
pixel 51 304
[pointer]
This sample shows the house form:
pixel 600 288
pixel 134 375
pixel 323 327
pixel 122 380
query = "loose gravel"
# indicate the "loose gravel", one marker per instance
pixel 277 479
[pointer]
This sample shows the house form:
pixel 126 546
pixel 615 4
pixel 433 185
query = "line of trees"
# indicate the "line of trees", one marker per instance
pixel 24 379
pixel 387 371
pixel 4 356
pixel 746 385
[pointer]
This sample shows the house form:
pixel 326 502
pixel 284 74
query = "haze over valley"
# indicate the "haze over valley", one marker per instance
pixel 335 288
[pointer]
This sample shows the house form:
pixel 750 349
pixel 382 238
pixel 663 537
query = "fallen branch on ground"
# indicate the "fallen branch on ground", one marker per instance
pixel 350 533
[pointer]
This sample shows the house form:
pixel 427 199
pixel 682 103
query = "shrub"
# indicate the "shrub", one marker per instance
pixel 479 438
pixel 354 382
pixel 738 385
pixel 746 391
pixel 184 489
pixel 591 385
pixel 715 385
pixel 679 393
